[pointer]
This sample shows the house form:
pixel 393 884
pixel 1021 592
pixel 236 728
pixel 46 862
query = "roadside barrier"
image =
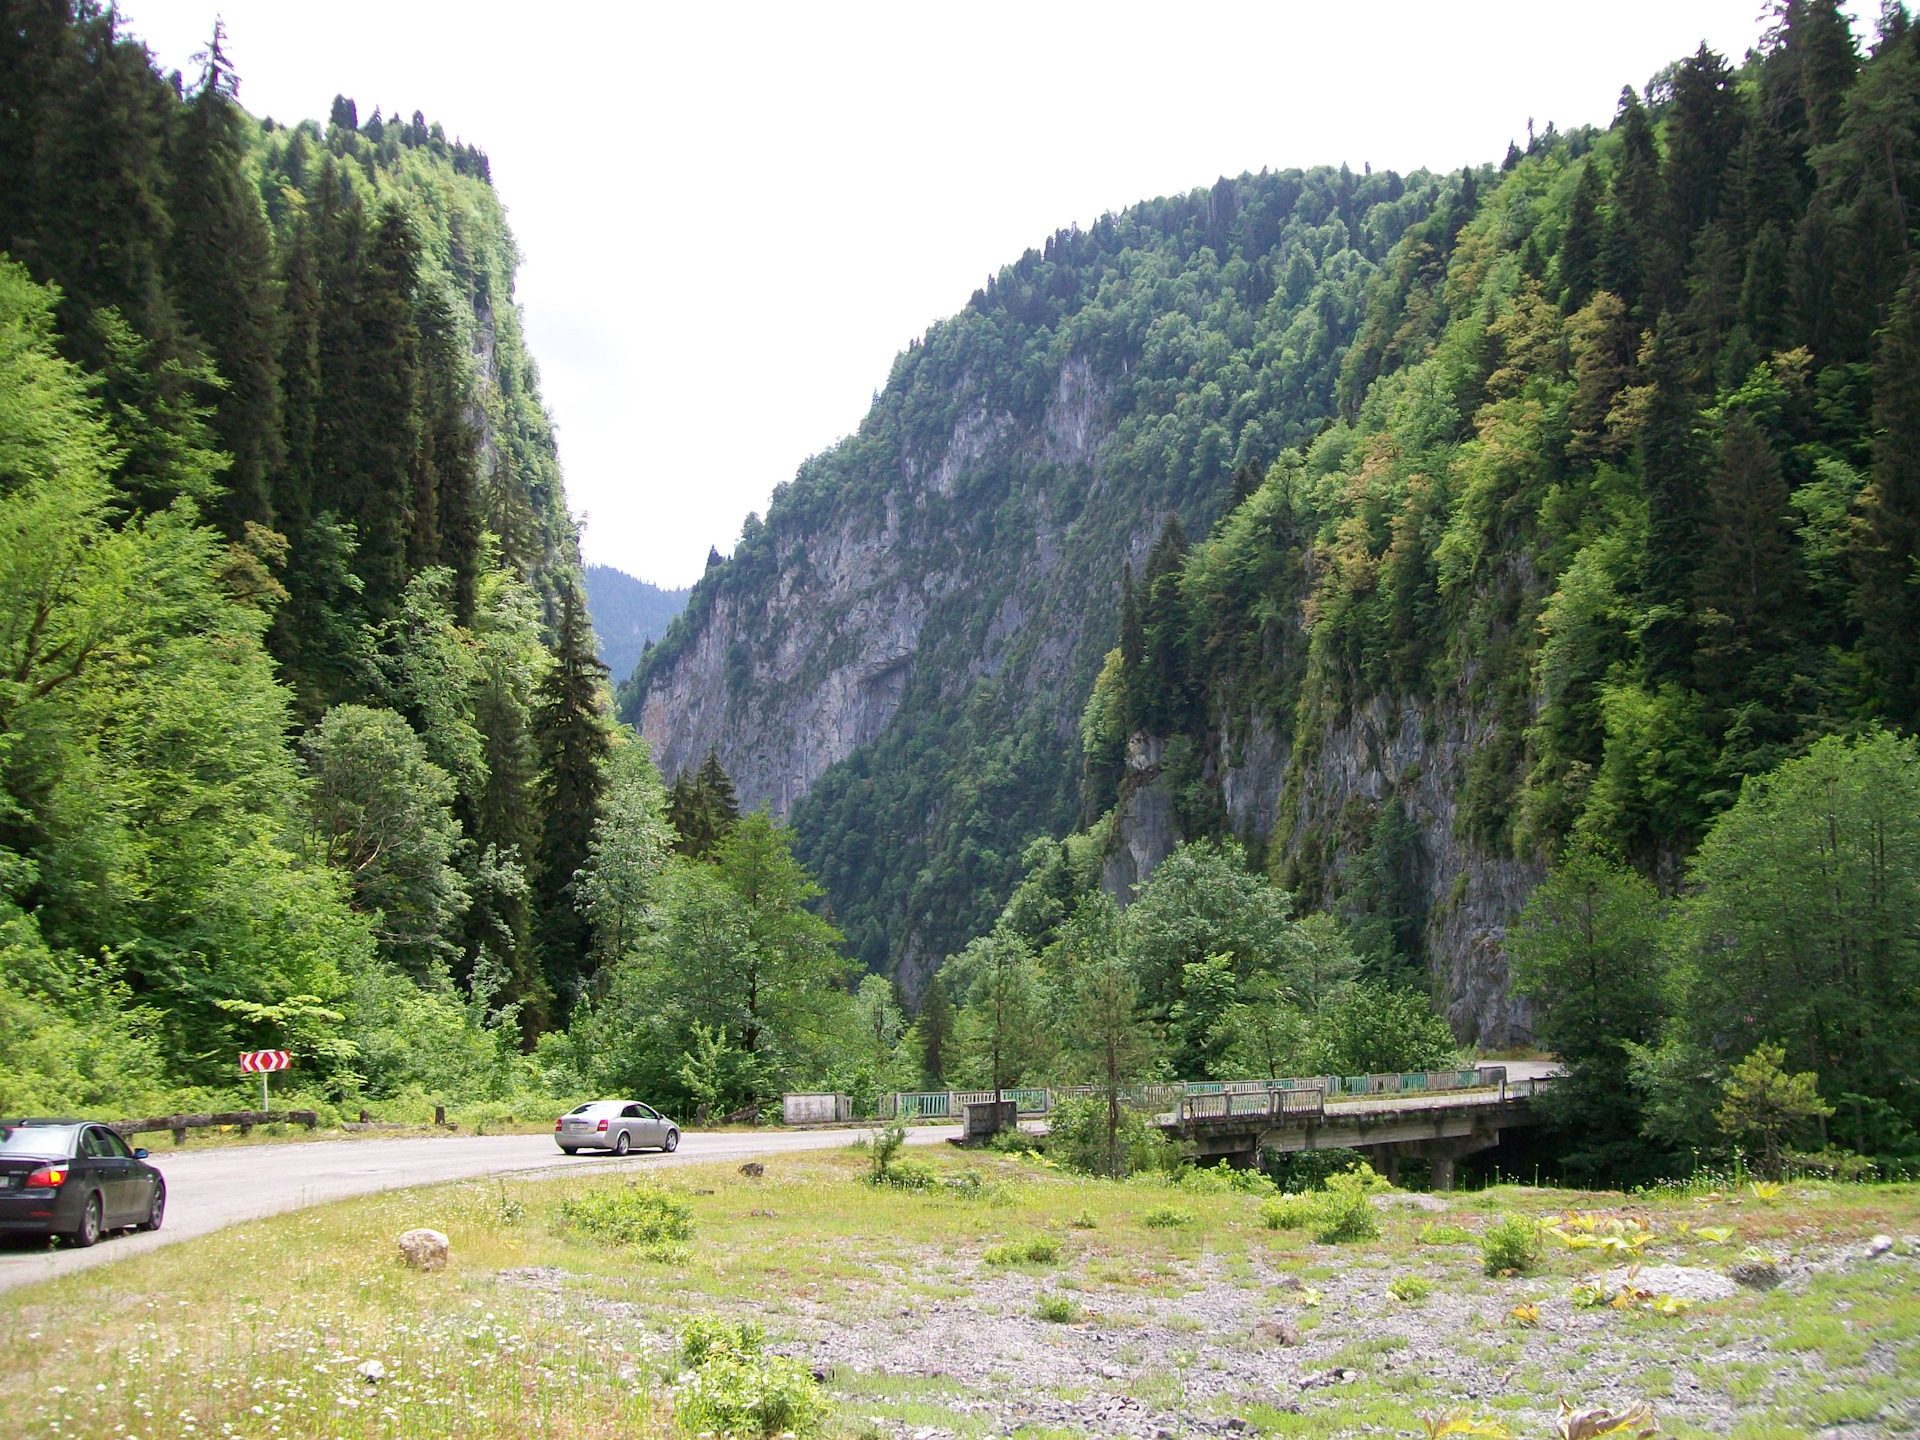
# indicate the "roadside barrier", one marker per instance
pixel 245 1119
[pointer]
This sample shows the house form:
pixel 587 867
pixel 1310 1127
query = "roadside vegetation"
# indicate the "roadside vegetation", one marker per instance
pixel 1027 1302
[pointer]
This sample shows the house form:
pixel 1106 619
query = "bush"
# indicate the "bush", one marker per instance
pixel 1343 1212
pixel 1409 1289
pixel 1166 1217
pixel 638 1215
pixel 1077 1139
pixel 1436 1234
pixel 1222 1179
pixel 705 1335
pixel 745 1395
pixel 1058 1309
pixel 1037 1250
pixel 1511 1246
pixel 1288 1212
pixel 1302 1170
pixel 1016 1142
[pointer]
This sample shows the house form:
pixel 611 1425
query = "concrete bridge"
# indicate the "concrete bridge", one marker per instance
pixel 1440 1127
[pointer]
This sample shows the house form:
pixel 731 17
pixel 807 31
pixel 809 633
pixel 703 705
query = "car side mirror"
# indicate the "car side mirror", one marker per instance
pixel 139 1154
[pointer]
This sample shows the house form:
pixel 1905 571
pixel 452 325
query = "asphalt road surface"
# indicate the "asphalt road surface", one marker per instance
pixel 210 1189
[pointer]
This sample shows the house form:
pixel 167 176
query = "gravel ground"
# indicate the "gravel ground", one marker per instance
pixel 1209 1346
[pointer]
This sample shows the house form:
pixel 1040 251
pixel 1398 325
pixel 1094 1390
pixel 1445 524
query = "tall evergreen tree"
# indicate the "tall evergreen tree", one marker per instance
pixel 1676 509
pixel 571 732
pixel 1888 601
pixel 222 272
pixel 1580 248
pixel 1703 127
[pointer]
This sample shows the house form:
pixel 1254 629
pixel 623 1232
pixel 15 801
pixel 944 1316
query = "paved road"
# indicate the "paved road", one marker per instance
pixel 210 1189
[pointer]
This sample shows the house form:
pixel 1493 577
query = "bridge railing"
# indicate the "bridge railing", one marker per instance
pixel 1160 1099
pixel 1301 1104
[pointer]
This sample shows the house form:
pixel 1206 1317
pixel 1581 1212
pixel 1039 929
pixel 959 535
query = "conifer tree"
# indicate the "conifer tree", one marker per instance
pixel 1676 509
pixel 1580 248
pixel 702 808
pixel 1888 601
pixel 1748 584
pixel 571 733
pixel 1703 127
pixel 222 272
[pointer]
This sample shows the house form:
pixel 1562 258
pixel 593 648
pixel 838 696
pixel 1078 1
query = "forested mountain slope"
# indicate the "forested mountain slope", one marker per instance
pixel 300 724
pixel 628 614
pixel 1588 488
pixel 897 655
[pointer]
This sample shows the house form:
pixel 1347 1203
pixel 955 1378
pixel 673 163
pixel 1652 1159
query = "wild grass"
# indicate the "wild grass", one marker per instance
pixel 540 1327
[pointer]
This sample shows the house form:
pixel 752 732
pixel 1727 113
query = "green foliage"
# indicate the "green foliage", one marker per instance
pixel 1084 1136
pixel 1798 931
pixel 654 1221
pixel 1166 1217
pixel 1057 1309
pixel 1035 1250
pixel 1511 1245
pixel 1409 1289
pixel 1338 1214
pixel 1374 1030
pixel 705 1335
pixel 733 1389
pixel 1763 1101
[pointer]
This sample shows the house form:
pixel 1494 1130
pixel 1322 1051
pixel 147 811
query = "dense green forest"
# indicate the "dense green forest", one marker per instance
pixel 301 733
pixel 1606 456
pixel 628 615
pixel 1626 464
pixel 1212 326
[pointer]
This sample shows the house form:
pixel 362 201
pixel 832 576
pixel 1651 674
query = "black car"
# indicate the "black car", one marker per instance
pixel 75 1179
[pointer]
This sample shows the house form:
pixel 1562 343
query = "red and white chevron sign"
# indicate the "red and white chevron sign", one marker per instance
pixel 258 1062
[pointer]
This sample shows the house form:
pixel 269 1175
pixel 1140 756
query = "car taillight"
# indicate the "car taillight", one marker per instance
pixel 601 1126
pixel 47 1177
pixel 556 1126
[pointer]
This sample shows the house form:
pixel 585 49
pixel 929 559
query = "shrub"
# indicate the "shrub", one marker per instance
pixel 1077 1139
pixel 747 1395
pixel 1223 1179
pixel 1511 1246
pixel 1166 1217
pixel 1409 1289
pixel 1015 1142
pixel 1058 1309
pixel 652 1219
pixel 1084 1221
pixel 706 1335
pixel 1343 1212
pixel 1288 1212
pixel 1432 1233
pixel 1036 1250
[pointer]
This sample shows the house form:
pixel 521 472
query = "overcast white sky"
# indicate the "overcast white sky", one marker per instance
pixel 733 216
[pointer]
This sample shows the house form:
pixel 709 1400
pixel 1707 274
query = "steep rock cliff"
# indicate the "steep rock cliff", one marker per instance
pixel 896 658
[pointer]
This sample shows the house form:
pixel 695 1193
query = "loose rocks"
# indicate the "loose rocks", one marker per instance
pixel 1754 1274
pixel 1277 1331
pixel 424 1249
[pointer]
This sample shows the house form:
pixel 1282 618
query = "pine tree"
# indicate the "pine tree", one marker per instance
pixel 1676 510
pixel 222 273
pixel 1703 127
pixel 1636 262
pixel 1888 600
pixel 1764 293
pixel 1580 248
pixel 1748 586
pixel 572 738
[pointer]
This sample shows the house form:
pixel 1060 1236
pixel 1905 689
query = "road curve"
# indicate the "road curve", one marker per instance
pixel 210 1189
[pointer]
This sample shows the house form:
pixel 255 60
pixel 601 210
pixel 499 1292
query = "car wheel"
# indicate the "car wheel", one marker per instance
pixel 672 1142
pixel 156 1208
pixel 571 1149
pixel 623 1144
pixel 89 1229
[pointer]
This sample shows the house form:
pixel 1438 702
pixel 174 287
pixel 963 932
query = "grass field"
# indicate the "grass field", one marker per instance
pixel 1015 1301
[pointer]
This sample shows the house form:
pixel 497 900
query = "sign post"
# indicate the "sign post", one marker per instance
pixel 263 1063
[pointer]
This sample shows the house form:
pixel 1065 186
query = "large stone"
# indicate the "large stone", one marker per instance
pixel 425 1249
pixel 1754 1274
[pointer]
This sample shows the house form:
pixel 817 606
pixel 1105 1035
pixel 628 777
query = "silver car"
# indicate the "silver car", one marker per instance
pixel 616 1125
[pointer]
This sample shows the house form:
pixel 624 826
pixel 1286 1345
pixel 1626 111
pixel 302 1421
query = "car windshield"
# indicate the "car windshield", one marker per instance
pixel 38 1140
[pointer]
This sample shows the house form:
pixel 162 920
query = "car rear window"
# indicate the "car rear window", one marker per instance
pixel 38 1140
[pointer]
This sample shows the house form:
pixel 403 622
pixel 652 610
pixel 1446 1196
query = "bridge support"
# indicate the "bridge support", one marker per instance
pixel 1440 1154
